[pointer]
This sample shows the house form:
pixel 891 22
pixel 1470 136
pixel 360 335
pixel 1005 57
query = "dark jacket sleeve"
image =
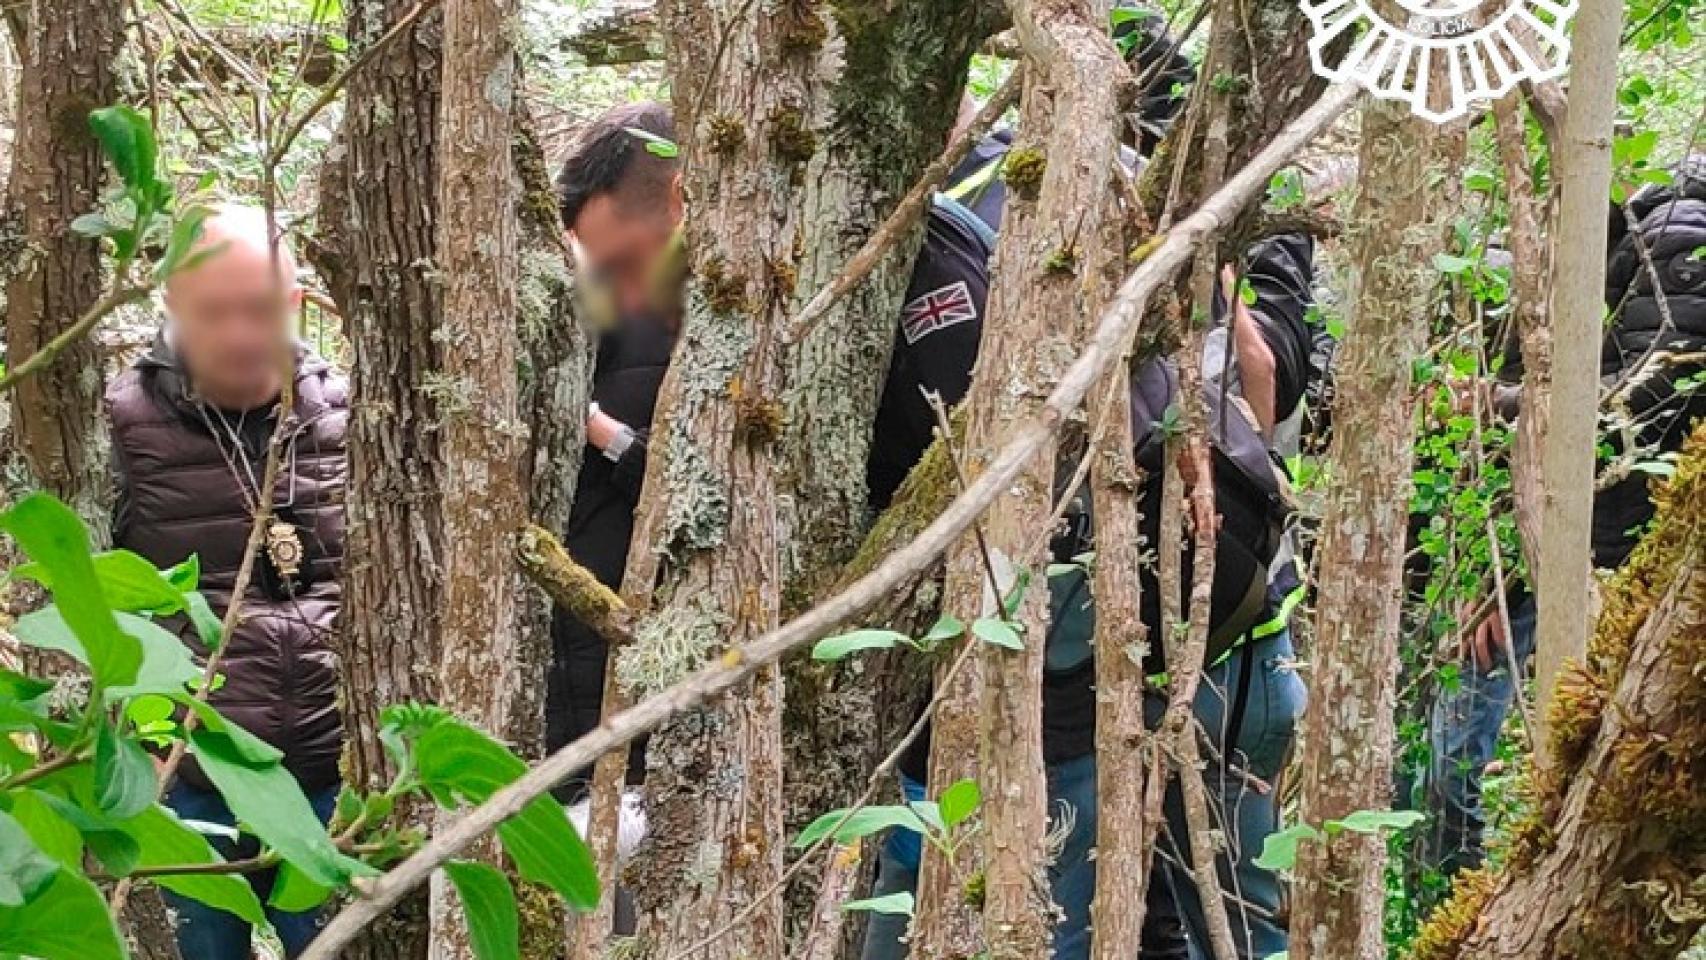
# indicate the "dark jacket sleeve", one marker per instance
pixel 1281 272
pixel 630 473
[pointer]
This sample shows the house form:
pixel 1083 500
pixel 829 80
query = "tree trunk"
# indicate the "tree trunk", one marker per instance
pixel 706 563
pixel 1059 180
pixel 1348 730
pixel 378 251
pixel 483 506
pixel 1611 864
pixel 1582 167
pixel 52 275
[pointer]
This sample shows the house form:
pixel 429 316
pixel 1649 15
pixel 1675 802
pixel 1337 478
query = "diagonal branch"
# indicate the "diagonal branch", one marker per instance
pixel 1113 330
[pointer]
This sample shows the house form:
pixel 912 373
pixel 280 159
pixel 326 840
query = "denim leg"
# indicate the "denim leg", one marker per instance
pixel 897 872
pixel 207 933
pixel 1072 811
pixel 1246 812
pixel 204 932
pixel 1463 732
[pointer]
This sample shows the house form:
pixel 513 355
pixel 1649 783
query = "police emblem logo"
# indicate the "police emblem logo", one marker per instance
pixel 942 307
pixel 1447 54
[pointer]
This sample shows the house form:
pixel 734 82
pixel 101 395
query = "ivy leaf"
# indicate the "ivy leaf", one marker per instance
pixel 895 903
pixel 488 901
pixel 998 632
pixel 861 824
pixel 846 644
pixel 959 802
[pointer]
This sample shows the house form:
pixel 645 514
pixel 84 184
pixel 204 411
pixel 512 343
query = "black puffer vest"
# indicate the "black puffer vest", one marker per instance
pixel 179 495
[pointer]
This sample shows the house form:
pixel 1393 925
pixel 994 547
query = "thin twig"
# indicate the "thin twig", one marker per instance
pixel 1106 344
pixel 122 294
pixel 329 93
pixel 907 212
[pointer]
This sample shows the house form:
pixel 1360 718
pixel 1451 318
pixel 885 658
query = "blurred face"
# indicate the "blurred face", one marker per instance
pixel 230 324
pixel 622 243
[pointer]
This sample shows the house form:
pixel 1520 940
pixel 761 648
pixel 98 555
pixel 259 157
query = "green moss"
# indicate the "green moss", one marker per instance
pixel 790 136
pixel 1062 262
pixel 1443 936
pixel 725 292
pixel 1024 171
pixel 727 134
pixel 758 419
pixel 802 32
pixel 976 889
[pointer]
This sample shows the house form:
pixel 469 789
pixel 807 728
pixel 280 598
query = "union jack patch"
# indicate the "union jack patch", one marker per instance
pixel 942 307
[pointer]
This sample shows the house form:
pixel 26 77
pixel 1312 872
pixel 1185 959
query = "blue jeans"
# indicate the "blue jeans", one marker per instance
pixel 1463 733
pixel 1273 705
pixel 207 933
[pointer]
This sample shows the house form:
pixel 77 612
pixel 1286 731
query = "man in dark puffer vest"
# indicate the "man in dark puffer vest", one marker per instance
pixel 192 422
pixel 1651 371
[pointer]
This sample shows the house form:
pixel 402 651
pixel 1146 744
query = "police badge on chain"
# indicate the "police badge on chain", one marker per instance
pixel 1482 47
pixel 284 549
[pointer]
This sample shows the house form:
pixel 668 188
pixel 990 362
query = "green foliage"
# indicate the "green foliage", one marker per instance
pixel 895 903
pixel 89 789
pixel 488 900
pixel 655 145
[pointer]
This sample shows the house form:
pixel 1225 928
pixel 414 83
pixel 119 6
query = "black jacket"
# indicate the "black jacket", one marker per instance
pixel 1643 360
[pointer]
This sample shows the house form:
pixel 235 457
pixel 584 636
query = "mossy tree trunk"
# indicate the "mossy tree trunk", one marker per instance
pixel 50 274
pixel 1059 178
pixel 378 250
pixel 1612 861
pixel 1348 730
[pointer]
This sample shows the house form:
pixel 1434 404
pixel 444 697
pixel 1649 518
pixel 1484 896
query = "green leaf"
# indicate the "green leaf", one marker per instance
pixel 25 869
pixel 1063 570
pixel 1279 850
pixel 861 824
pixel 895 903
pixel 208 626
pixel 1375 821
pixel 252 750
pixel 655 145
pixel 91 225
pixel 127 138
pixel 165 666
pixel 488 901
pixel 51 833
pixel 948 627
pixel 452 758
pixel 1016 596
pixel 104 838
pixel 998 632
pixel 125 784
pixel 293 892
pixel 268 800
pixel 128 581
pixel 53 536
pixel 186 232
pixel 66 920
pixel 1453 265
pixel 164 840
pixel 959 802
pixel 846 644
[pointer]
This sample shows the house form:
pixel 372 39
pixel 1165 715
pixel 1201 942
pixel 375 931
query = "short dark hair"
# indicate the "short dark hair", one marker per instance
pixel 608 157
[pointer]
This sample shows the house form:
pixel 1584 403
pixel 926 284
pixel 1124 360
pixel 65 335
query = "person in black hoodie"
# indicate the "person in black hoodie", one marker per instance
pixel 1651 370
pixel 621 203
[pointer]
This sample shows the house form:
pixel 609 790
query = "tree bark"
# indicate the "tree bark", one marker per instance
pixel 1348 729
pixel 1059 176
pixel 52 275
pixel 1610 865
pixel 1582 167
pixel 482 503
